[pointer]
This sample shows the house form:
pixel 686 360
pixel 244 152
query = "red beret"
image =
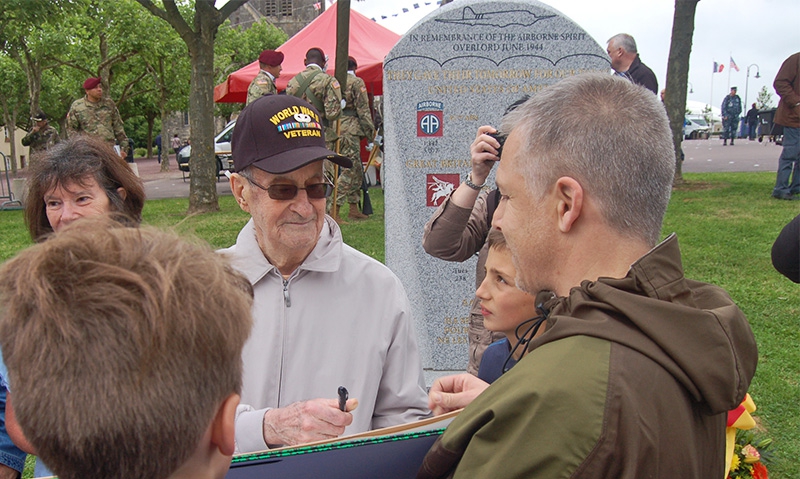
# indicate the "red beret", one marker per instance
pixel 271 58
pixel 90 83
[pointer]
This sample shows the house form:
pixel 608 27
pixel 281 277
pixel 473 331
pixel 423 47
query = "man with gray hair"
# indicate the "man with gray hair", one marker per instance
pixel 637 365
pixel 626 63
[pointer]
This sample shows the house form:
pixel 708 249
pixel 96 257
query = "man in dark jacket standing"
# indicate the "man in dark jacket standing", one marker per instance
pixel 637 366
pixel 787 84
pixel 752 122
pixel 626 63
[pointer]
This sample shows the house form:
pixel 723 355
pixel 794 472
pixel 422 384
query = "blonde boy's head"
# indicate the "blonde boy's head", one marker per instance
pixel 122 345
pixel 495 240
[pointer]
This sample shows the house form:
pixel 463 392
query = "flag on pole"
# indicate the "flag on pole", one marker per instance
pixel 733 65
pixel 718 67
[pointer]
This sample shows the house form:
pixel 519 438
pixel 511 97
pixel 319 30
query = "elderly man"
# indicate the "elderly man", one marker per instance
pixel 325 315
pixel 626 63
pixel 637 366
pixel 269 62
pixel 98 116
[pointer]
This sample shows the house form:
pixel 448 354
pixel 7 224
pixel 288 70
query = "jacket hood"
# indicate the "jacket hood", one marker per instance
pixel 692 329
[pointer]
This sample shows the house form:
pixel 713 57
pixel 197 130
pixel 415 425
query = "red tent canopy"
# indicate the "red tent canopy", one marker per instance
pixel 369 45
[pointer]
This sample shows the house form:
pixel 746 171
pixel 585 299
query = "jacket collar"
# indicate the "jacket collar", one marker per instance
pixel 325 257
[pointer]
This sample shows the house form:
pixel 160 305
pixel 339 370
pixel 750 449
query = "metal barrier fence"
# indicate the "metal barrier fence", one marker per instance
pixel 7 200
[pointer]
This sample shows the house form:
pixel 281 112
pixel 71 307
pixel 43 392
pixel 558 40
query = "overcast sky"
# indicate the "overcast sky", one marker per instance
pixel 760 32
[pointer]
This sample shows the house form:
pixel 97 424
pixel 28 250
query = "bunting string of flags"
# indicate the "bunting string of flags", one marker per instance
pixel 404 10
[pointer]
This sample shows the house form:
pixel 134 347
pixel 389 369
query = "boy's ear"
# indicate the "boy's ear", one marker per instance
pixel 222 427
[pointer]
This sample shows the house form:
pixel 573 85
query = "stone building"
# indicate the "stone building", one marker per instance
pixel 288 15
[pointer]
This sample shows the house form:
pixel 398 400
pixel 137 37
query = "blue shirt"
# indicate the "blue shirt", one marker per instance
pixel 494 358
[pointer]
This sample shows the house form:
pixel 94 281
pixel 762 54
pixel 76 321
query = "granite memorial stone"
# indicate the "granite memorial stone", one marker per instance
pixel 455 70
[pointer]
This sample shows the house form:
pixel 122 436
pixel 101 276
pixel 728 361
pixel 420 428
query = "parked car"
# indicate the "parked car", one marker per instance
pixel 222 150
pixel 694 127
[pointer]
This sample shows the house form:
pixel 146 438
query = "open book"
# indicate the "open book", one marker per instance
pixel 387 453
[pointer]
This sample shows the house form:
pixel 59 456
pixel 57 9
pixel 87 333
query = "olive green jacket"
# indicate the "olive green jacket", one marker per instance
pixel 323 92
pixel 632 378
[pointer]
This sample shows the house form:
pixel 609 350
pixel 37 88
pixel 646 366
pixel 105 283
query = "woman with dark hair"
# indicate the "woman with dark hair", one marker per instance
pixel 78 178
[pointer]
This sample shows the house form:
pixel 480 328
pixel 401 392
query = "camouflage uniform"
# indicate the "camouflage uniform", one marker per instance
pixel 41 140
pixel 325 94
pixel 731 109
pixel 262 84
pixel 100 119
pixel 356 122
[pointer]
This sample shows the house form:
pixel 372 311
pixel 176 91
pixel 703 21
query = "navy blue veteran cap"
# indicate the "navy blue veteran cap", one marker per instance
pixel 279 134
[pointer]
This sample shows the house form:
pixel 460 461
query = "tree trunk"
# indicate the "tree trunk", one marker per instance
pixel 165 140
pixel 342 41
pixel 202 183
pixel 33 72
pixel 151 120
pixel 678 75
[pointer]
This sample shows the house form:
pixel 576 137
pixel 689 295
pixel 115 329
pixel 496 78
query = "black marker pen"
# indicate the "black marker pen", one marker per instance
pixel 343 398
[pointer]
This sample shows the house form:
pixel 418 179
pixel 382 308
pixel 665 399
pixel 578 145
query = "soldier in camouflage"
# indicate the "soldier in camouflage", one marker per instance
pixel 731 109
pixel 264 83
pixel 323 91
pixel 41 137
pixel 356 123
pixel 97 116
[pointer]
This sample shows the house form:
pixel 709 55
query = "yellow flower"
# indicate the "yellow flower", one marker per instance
pixel 751 454
pixel 734 462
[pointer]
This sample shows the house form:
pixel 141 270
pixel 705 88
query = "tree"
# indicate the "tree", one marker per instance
pixel 199 39
pixel 106 37
pixel 168 66
pixel 29 31
pixel 13 100
pixel 764 99
pixel 678 75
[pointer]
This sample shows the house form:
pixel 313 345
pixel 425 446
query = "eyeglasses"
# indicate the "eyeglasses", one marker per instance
pixel 315 191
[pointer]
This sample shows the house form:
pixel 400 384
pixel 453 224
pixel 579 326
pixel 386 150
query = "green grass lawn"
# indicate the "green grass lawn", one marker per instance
pixel 726 223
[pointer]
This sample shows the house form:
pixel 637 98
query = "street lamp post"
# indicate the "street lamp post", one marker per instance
pixel 747 81
pixel 691 88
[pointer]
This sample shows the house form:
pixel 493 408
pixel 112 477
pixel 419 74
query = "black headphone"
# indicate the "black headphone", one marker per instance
pixel 535 324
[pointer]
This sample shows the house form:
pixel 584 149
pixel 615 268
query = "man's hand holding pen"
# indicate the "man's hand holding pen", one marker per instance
pixel 307 421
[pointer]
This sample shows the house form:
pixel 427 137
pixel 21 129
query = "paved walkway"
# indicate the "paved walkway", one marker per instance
pixel 171 184
pixel 702 156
